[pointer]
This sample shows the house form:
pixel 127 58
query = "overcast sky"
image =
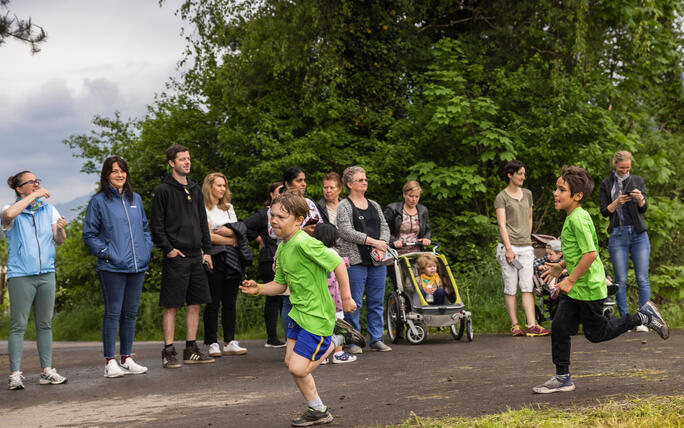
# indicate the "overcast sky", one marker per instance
pixel 100 56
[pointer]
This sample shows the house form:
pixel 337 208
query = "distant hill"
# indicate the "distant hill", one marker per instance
pixel 71 209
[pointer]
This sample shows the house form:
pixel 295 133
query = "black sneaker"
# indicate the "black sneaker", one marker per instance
pixel 169 360
pixel 313 417
pixel 193 355
pixel 274 343
pixel 351 336
pixel 655 320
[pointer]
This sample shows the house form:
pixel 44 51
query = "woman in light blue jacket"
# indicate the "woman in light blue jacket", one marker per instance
pixel 115 230
pixel 32 227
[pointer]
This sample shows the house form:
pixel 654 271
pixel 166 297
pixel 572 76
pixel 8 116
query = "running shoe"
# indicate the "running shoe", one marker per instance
pixel 380 346
pixel 233 348
pixel 313 417
pixel 655 320
pixel 214 350
pixel 537 330
pixel 325 361
pixel 354 349
pixel 51 377
pixel 112 369
pixel 169 359
pixel 274 343
pixel 517 331
pixel 194 355
pixel 15 381
pixel 131 367
pixel 343 357
pixel 558 383
pixel 351 336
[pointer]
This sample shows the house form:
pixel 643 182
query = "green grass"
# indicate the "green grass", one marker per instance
pixel 655 411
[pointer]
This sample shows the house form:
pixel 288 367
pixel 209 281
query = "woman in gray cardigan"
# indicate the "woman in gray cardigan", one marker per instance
pixel 364 235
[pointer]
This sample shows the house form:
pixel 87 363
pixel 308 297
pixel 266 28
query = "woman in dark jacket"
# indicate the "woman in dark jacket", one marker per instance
pixel 115 230
pixel 623 199
pixel 327 206
pixel 257 229
pixel 408 221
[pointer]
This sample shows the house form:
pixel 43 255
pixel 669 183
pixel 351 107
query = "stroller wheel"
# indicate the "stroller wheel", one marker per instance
pixel 608 313
pixel 469 329
pixel 395 324
pixel 416 339
pixel 457 329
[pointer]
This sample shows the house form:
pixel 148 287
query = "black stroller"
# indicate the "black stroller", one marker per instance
pixel 545 307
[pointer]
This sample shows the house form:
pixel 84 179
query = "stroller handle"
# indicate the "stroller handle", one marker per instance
pixel 434 245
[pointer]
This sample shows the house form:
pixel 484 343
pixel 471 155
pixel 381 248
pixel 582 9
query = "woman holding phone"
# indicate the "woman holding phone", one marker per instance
pixel 623 199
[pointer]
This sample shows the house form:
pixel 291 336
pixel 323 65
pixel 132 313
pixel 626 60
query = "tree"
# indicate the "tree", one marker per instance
pixel 445 92
pixel 21 29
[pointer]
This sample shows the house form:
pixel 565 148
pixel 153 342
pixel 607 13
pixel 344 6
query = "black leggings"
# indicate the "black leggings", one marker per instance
pixel 224 292
pixel 273 304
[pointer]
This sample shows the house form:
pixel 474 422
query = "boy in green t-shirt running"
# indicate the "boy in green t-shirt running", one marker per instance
pixel 302 263
pixel 584 290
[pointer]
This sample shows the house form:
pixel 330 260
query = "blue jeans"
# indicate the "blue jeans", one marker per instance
pixel 121 292
pixel 370 279
pixel 624 241
pixel 284 314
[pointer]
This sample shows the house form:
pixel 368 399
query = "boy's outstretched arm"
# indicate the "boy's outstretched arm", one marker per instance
pixel 348 304
pixel 585 262
pixel 272 288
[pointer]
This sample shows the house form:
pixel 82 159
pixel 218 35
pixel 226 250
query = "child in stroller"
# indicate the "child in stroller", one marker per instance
pixel 430 282
pixel 547 290
pixel 545 309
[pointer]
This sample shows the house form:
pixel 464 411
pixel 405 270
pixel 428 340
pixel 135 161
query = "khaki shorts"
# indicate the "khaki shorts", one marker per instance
pixel 512 277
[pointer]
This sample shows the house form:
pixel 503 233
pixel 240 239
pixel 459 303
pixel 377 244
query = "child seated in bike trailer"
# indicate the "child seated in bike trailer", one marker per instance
pixel 430 282
pixel 554 254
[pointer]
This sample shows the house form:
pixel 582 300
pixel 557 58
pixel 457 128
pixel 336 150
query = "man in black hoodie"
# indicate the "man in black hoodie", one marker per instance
pixel 179 227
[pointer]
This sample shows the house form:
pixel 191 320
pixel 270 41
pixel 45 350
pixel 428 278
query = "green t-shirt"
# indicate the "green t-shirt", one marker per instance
pixel 303 263
pixel 517 216
pixel 578 238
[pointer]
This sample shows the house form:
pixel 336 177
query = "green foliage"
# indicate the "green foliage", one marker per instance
pixel 441 92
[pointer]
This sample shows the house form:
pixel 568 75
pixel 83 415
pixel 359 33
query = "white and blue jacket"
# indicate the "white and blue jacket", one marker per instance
pixel 31 248
pixel 116 231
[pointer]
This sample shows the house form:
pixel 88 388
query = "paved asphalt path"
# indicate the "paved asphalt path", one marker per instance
pixel 439 377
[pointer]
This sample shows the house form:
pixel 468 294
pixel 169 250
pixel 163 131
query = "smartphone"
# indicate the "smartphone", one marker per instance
pixel 311 221
pixel 517 264
pixel 206 267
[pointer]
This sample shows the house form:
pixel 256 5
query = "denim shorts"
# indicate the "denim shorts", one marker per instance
pixel 308 345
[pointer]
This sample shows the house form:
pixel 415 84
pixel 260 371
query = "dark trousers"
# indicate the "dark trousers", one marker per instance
pixel 597 328
pixel 273 304
pixel 224 293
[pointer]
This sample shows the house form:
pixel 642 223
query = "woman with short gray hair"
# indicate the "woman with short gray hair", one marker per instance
pixel 363 238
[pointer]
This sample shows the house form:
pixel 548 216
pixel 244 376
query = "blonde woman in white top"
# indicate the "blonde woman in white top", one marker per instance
pixel 223 279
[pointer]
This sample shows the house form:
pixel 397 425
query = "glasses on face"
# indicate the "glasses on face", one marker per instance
pixel 31 182
pixel 361 180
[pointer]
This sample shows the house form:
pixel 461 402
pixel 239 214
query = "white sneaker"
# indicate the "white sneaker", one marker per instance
pixel 234 348
pixel 642 329
pixel 15 381
pixel 112 369
pixel 131 367
pixel 51 377
pixel 325 361
pixel 214 350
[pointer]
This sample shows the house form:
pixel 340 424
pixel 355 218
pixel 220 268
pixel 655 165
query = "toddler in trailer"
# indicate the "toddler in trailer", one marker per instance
pixel 430 282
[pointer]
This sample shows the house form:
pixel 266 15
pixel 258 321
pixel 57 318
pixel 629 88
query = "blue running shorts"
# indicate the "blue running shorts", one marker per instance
pixel 308 345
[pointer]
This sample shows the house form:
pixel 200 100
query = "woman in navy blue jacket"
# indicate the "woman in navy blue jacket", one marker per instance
pixel 115 230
